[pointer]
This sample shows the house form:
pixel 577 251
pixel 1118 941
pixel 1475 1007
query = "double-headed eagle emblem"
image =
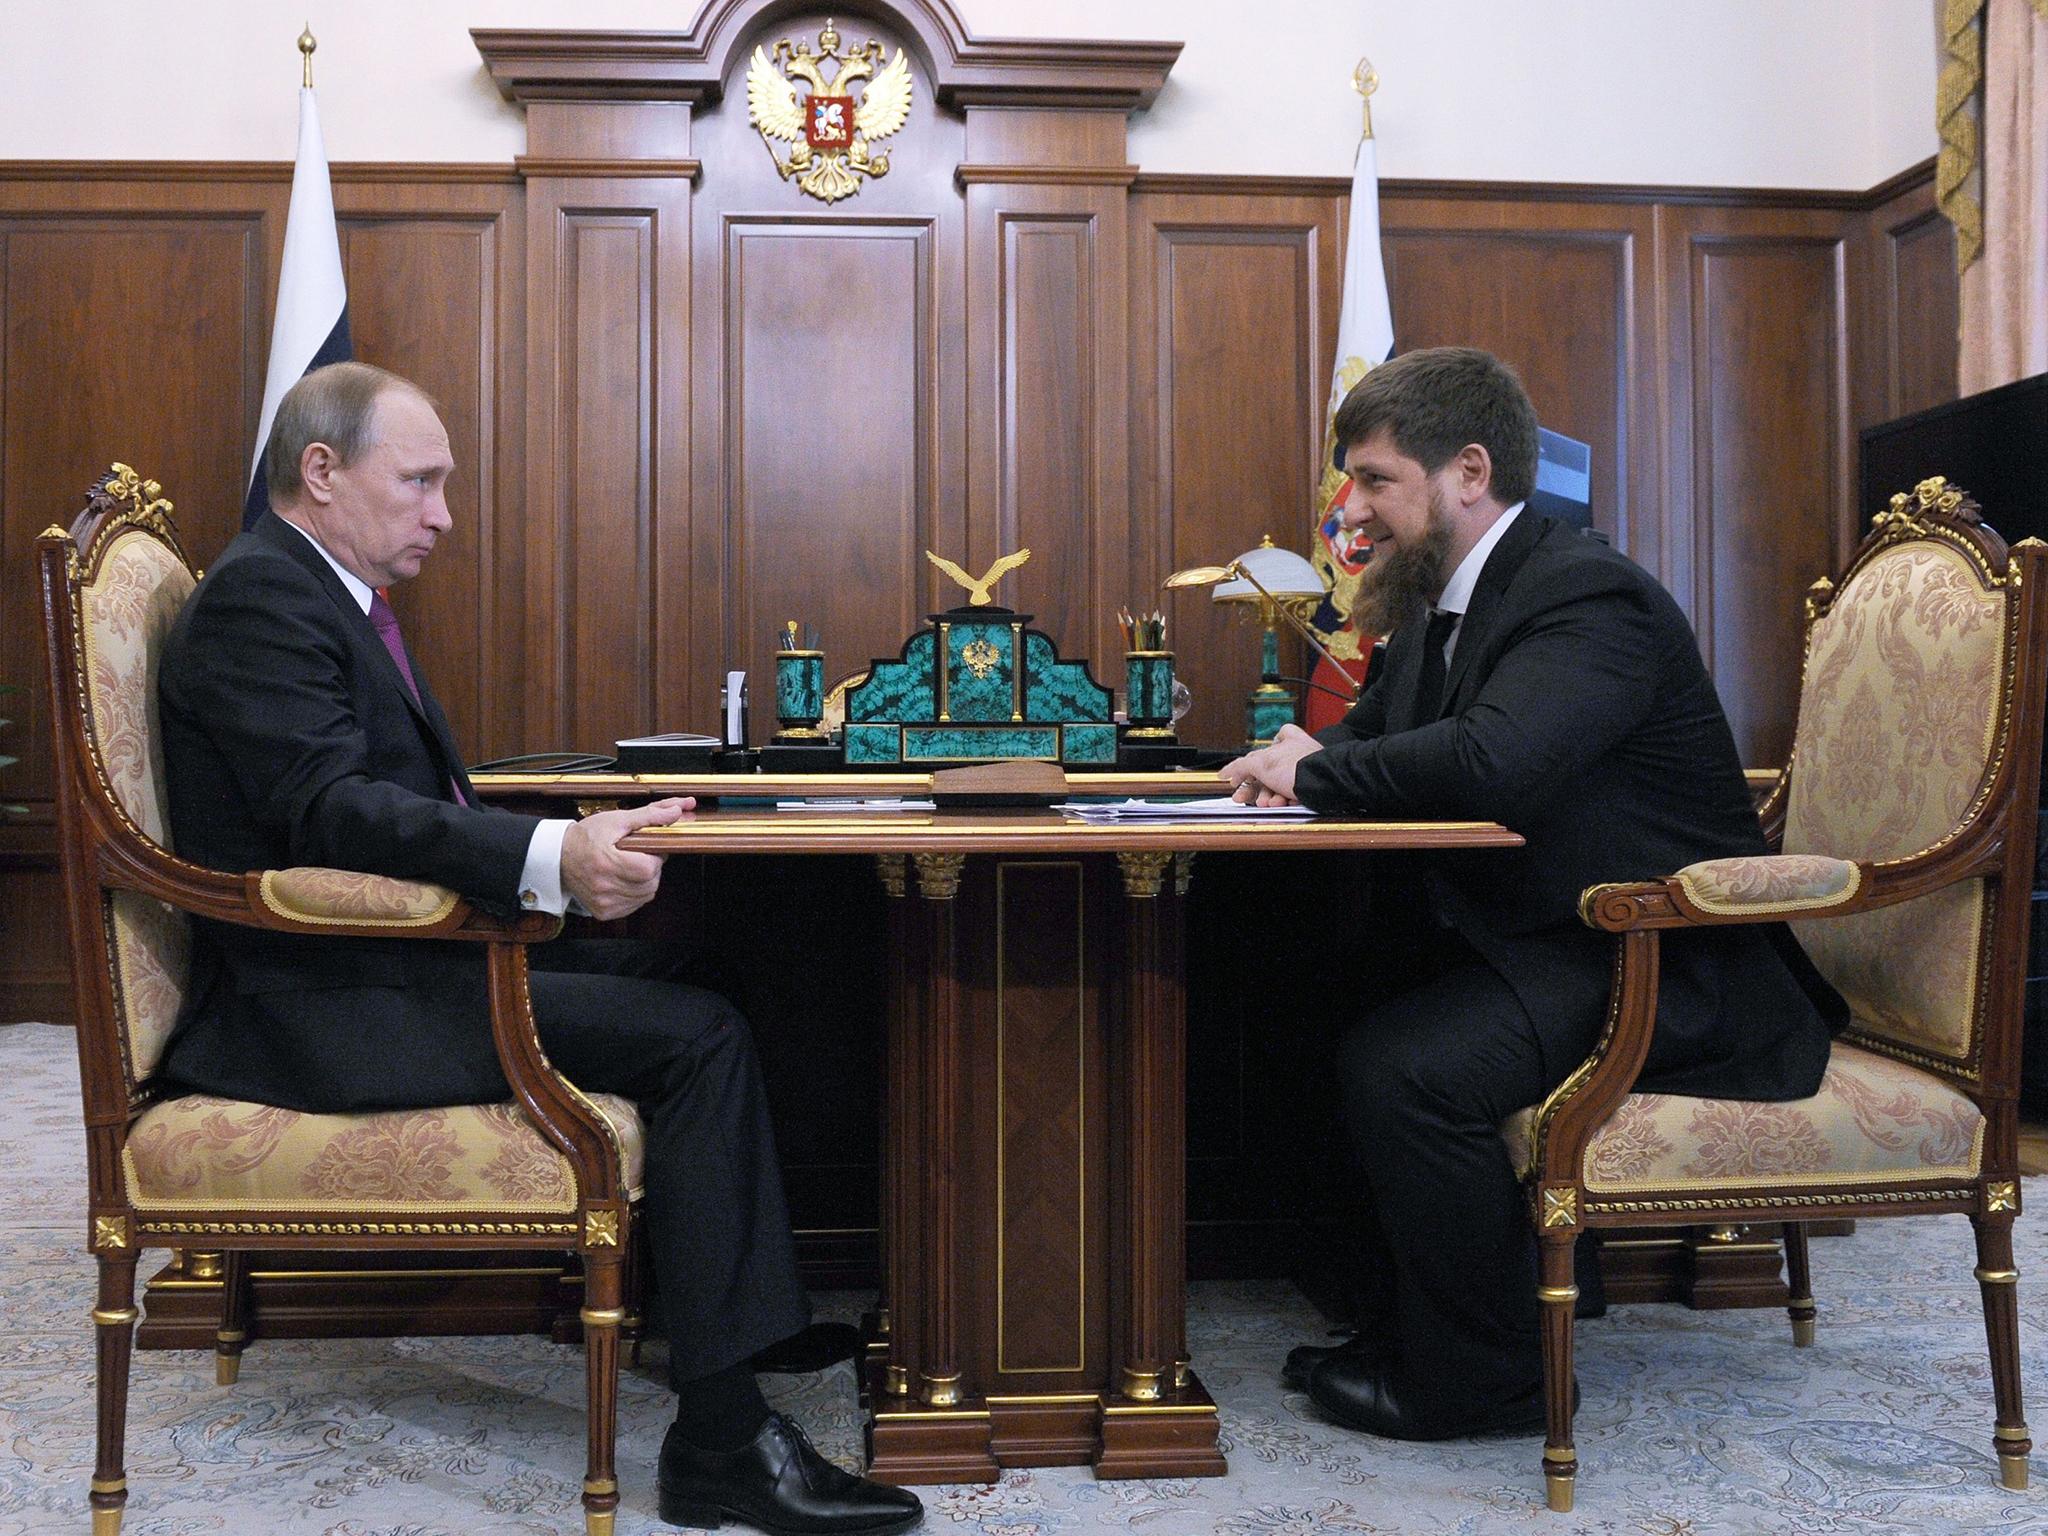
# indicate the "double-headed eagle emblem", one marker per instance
pixel 830 134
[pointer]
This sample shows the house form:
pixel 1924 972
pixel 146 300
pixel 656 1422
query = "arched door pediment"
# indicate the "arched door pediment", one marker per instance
pixel 694 66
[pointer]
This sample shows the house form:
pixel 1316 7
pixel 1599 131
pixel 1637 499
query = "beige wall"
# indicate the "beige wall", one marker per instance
pixel 1794 93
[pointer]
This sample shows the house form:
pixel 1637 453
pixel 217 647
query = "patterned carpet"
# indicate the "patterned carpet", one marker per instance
pixel 1693 1424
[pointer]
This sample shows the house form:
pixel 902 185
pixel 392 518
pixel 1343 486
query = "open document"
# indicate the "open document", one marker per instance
pixel 1223 807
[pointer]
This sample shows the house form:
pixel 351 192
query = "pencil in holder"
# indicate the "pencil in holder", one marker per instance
pixel 1148 691
pixel 799 695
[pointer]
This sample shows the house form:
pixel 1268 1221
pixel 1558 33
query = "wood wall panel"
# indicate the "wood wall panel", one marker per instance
pixel 827 439
pixel 1770 456
pixel 423 300
pixel 90 373
pixel 35 950
pixel 1230 369
pixel 606 334
pixel 1913 331
pixel 1923 262
pixel 1048 429
pixel 1557 302
pixel 1046 425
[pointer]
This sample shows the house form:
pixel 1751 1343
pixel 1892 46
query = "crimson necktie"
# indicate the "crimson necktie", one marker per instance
pixel 385 622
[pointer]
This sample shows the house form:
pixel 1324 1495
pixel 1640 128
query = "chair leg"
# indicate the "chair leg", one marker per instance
pixel 1557 1297
pixel 603 1311
pixel 1999 1282
pixel 114 1333
pixel 1799 1284
pixel 233 1333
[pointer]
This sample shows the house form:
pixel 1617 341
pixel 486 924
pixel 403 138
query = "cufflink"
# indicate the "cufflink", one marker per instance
pixel 529 899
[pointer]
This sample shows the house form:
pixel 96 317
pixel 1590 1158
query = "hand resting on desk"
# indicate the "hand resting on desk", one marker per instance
pixel 608 880
pixel 1266 777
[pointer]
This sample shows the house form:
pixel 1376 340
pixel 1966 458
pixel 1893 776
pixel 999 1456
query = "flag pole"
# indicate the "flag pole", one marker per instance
pixel 1365 339
pixel 309 326
pixel 1364 80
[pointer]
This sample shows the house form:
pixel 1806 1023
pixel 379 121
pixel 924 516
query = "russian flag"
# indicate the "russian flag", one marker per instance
pixel 1365 339
pixel 310 328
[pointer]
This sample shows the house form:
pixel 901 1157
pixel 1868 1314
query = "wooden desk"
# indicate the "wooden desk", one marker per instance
pixel 1032 1309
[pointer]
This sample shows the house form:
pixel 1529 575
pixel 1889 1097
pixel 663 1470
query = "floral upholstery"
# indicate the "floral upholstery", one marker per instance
pixel 125 611
pixel 1765 884
pixel 1874 1120
pixel 346 896
pixel 1896 721
pixel 202 1151
pixel 152 950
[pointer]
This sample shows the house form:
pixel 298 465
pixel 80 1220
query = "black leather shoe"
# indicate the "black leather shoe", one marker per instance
pixel 779 1484
pixel 1360 1394
pixel 808 1349
pixel 1304 1358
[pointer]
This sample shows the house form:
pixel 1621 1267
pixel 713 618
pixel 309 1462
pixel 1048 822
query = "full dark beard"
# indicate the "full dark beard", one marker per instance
pixel 1395 587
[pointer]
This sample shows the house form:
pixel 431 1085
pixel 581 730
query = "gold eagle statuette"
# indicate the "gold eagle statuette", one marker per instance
pixel 977 587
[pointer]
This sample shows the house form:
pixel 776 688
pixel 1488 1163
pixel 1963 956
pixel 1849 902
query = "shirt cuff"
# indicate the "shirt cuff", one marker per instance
pixel 540 882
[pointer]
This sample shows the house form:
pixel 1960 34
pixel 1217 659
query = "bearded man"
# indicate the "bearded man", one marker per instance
pixel 1536 678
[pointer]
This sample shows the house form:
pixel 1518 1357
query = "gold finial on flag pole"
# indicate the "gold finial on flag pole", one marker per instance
pixel 307 45
pixel 1365 80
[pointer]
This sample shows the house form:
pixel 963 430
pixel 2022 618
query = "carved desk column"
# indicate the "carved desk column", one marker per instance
pixel 949 1441
pixel 1146 1424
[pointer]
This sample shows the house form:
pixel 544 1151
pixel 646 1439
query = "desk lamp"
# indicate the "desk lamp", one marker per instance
pixel 1286 589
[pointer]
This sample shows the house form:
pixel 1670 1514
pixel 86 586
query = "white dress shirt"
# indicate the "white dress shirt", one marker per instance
pixel 1457 594
pixel 540 882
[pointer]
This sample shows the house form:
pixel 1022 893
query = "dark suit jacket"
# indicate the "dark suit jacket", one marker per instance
pixel 290 739
pixel 1577 712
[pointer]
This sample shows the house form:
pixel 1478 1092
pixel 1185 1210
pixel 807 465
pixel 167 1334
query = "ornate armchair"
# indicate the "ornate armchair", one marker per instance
pixel 552 1169
pixel 1906 820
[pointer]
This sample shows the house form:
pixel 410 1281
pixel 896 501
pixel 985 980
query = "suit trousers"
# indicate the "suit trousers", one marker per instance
pixel 1427 1076
pixel 716 1224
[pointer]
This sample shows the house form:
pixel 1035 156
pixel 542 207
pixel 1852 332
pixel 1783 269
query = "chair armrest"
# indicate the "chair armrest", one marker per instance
pixel 309 899
pixel 1771 887
pixel 334 902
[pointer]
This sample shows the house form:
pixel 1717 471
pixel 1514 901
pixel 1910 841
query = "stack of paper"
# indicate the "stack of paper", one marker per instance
pixel 1222 808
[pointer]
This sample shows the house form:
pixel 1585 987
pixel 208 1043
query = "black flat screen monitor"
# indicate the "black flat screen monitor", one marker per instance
pixel 1994 446
pixel 1564 479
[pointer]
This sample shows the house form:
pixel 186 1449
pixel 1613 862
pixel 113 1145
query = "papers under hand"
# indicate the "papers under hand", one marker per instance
pixel 1223 808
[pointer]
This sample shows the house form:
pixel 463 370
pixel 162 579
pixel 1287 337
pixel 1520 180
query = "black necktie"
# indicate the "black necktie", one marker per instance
pixel 1429 692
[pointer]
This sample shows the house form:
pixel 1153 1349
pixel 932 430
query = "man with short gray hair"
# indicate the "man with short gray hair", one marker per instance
pixel 298 729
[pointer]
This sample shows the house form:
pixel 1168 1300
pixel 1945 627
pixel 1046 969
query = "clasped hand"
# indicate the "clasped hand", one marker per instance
pixel 608 880
pixel 1266 777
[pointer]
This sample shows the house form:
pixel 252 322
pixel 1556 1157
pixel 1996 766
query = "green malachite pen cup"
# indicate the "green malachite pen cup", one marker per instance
pixel 799 693
pixel 1148 689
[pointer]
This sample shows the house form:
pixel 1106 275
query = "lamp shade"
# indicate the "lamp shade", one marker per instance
pixel 1280 571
